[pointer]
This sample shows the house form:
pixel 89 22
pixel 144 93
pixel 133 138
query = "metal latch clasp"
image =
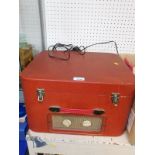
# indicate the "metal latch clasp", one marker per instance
pixel 40 94
pixel 115 98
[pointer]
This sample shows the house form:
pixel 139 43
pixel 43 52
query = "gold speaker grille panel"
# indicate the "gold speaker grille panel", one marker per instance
pixel 76 123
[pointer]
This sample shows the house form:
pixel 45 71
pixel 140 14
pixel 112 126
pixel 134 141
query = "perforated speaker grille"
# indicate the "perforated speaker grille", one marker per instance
pixel 76 123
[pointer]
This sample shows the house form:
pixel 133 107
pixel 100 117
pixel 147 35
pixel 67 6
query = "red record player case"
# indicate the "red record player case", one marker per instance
pixel 94 85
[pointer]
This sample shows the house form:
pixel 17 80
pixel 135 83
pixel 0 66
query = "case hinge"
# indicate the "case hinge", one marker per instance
pixel 115 98
pixel 40 94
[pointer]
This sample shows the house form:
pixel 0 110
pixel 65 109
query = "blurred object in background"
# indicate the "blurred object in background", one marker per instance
pixel 131 126
pixel 23 128
pixel 25 55
pixel 129 59
pixel 22 40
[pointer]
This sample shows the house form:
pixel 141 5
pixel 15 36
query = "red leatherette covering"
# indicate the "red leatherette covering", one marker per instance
pixel 102 74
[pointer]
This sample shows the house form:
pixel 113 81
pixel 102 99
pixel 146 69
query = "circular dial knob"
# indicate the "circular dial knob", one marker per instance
pixel 66 122
pixel 86 123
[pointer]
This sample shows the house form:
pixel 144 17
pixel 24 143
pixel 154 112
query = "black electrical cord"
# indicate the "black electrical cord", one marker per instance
pixel 67 48
pixel 103 43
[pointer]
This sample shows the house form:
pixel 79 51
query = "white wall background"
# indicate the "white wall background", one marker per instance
pixel 80 22
pixel 29 23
